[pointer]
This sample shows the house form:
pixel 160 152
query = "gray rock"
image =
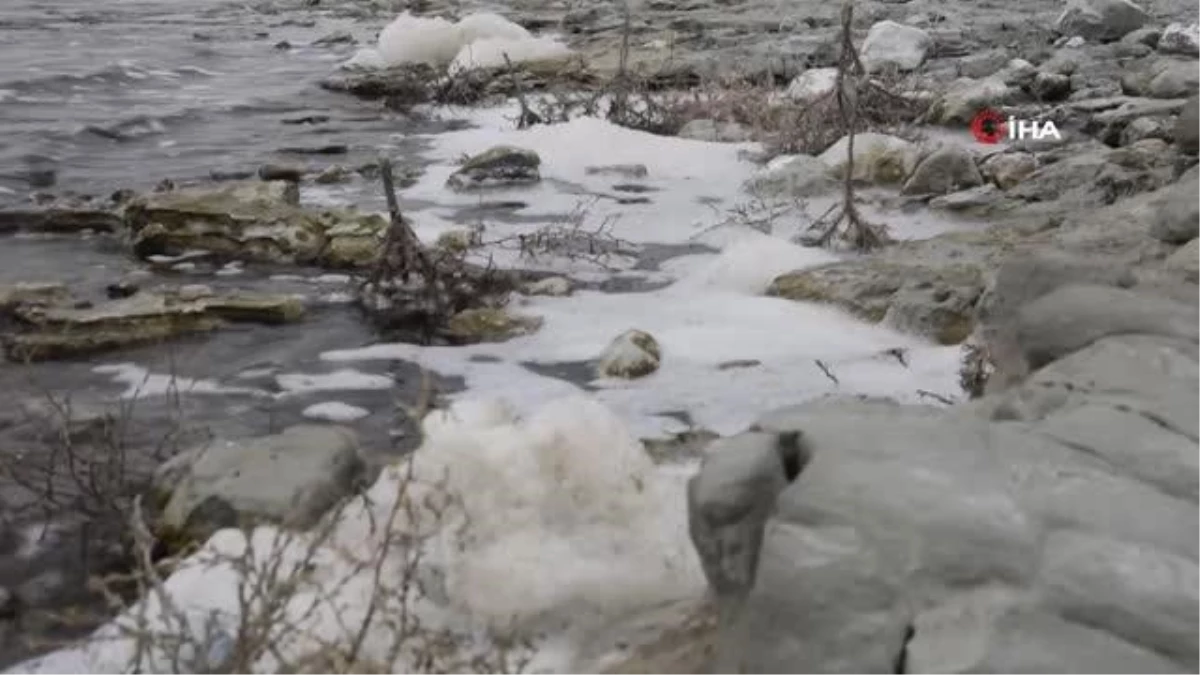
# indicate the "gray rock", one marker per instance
pixel 1147 36
pixel 1007 169
pixel 946 169
pixel 1166 78
pixel 984 63
pixel 501 166
pixel 934 301
pixel 729 501
pixel 1178 38
pixel 1051 86
pixel 1186 260
pixel 1144 128
pixel 996 630
pixel 1100 20
pixel 812 83
pixel 1145 596
pixel 630 355
pixel 878 158
pixel 797 176
pixel 964 98
pixel 1018 73
pixel 291 478
pixel 1187 127
pixel 1176 216
pixel 918 536
pixel 1074 316
pixel 978 200
pixel 893 45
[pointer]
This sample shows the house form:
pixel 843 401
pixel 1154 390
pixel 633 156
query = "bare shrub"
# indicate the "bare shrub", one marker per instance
pixel 347 596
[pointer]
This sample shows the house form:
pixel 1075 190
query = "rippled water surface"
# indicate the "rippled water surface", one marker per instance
pixel 122 93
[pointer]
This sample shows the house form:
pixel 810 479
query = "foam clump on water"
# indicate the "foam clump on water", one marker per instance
pixel 476 41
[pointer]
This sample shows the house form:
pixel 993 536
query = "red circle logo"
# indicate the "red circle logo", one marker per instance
pixel 989 127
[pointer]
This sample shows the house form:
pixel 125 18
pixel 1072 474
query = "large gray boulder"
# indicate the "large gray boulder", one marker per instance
pixel 291 478
pixel 1187 127
pixel 948 168
pixel 1167 78
pixel 894 45
pixel 1048 528
pixel 1100 20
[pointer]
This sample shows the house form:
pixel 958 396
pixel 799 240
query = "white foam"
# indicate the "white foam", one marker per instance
pixel 346 379
pixel 141 383
pixel 335 411
pixel 478 40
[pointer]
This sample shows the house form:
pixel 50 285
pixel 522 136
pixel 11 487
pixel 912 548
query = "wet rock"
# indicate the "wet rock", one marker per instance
pixel 489 324
pixel 291 478
pixel 964 98
pixel 1187 127
pixel 630 355
pixel 878 158
pixel 715 131
pixel 252 221
pixel 333 175
pixel 936 302
pixel 812 84
pixel 30 294
pixel 793 176
pixel 891 45
pixel 353 239
pixel 947 169
pixel 1178 38
pixel 1008 169
pixel 121 289
pixel 63 331
pixel 1147 36
pixel 55 220
pixel 501 166
pixel 1100 20
pixel 338 37
pixel 284 172
pixel 410 84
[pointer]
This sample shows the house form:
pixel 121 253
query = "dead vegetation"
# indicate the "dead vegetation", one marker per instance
pixel 350 595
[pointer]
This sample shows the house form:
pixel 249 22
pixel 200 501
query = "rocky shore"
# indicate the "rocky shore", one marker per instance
pixel 1040 518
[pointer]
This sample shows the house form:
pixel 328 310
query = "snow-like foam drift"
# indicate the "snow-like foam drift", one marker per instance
pixel 476 41
pixel 556 518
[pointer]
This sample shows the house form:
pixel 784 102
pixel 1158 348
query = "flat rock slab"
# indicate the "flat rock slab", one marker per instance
pixel 291 478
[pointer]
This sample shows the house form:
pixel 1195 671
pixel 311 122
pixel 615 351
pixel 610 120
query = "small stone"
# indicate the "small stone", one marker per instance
pixel 500 166
pixel 947 169
pixel 812 84
pixel 630 355
pixel 893 45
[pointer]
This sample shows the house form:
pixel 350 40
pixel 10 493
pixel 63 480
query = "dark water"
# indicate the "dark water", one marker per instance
pixel 121 93
pixel 107 94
